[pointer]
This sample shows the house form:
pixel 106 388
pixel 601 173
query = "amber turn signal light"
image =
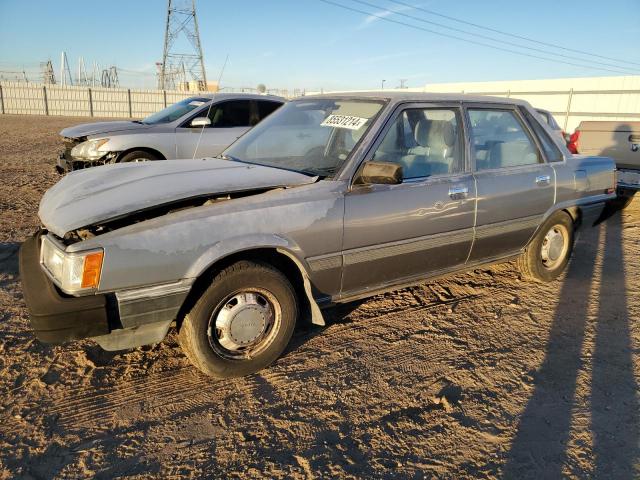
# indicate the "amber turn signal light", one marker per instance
pixel 91 270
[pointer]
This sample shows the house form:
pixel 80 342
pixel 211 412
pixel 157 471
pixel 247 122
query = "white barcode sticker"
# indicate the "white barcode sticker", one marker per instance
pixel 344 121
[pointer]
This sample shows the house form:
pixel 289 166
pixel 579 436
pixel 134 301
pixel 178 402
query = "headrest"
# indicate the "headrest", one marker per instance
pixel 434 133
pixel 421 132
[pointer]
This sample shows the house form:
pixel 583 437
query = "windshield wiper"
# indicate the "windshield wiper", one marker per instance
pixel 140 122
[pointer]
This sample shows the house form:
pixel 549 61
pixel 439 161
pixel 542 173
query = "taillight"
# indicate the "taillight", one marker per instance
pixel 573 142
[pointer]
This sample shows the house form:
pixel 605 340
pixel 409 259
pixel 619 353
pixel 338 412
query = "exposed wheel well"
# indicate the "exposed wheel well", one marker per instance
pixel 152 151
pixel 264 255
pixel 575 214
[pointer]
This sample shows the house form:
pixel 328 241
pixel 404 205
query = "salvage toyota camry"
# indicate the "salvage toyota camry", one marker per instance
pixel 330 199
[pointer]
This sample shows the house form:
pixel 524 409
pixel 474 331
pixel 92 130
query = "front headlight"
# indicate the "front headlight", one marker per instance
pixel 72 272
pixel 89 150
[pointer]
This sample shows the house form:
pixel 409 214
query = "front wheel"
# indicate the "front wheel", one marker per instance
pixel 137 156
pixel 242 322
pixel 549 252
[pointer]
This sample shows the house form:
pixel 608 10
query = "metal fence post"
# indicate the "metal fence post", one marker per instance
pixel 45 100
pixel 164 96
pixel 90 103
pixel 566 117
pixel 129 101
pixel 1 101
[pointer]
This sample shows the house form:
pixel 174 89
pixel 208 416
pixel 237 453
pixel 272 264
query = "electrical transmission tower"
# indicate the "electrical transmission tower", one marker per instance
pixel 177 64
pixel 48 74
pixel 110 77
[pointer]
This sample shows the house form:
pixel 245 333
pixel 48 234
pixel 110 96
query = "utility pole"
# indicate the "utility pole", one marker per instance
pixel 383 84
pixel 403 81
pixel 181 19
pixel 65 71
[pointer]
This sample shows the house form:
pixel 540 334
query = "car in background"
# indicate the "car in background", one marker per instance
pixel 553 125
pixel 362 193
pixel 202 125
pixel 617 139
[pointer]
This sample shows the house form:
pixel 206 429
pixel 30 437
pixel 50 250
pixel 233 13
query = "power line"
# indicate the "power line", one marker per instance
pixel 398 22
pixel 486 37
pixel 521 37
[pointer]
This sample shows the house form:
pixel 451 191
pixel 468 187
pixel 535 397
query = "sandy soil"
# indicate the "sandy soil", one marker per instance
pixel 480 375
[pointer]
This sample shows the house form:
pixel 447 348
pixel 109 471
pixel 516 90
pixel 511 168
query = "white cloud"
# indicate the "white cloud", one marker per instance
pixel 379 15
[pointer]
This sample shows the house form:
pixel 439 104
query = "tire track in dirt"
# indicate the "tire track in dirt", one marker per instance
pixel 191 389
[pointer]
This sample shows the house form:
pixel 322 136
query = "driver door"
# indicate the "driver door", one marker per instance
pixel 423 225
pixel 229 120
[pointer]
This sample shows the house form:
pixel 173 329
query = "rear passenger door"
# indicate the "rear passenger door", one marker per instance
pixel 515 186
pixel 423 225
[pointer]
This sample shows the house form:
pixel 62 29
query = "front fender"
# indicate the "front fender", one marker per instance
pixel 282 245
pixel 233 245
pixel 163 143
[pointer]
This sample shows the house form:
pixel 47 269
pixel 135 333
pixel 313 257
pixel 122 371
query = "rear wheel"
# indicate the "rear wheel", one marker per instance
pixel 547 255
pixel 242 322
pixel 138 156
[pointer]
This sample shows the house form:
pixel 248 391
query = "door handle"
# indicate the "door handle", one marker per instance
pixel 458 193
pixel 543 179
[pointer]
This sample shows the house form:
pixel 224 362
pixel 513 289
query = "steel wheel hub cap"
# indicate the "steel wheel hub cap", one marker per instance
pixel 553 246
pixel 242 321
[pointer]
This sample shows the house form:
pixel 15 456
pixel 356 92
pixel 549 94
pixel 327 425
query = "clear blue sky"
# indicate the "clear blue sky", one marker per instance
pixel 310 44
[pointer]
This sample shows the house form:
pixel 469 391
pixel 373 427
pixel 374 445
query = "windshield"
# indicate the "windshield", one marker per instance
pixel 175 111
pixel 312 136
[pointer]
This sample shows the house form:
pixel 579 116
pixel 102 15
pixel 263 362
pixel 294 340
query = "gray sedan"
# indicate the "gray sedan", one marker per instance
pixel 197 126
pixel 330 199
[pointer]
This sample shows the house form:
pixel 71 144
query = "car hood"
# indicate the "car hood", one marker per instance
pixel 96 128
pixel 99 194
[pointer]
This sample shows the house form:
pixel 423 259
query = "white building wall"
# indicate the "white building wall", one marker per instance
pixel 571 100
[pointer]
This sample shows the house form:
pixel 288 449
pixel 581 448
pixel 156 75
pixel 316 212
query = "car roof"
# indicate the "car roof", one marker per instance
pixel 239 96
pixel 397 96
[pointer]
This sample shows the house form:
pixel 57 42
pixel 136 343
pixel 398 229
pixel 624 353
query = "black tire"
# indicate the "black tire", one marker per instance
pixel 138 156
pixel 206 345
pixel 544 263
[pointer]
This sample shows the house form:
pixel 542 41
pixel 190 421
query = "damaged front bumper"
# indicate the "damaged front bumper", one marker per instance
pixel 116 321
pixel 66 163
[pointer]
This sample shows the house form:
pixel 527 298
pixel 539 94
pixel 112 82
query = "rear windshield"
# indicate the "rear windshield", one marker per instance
pixel 175 111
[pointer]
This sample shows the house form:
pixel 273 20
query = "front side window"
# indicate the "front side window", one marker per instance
pixel 266 108
pixel 235 113
pixel 424 142
pixel 499 140
pixel 314 136
pixel 175 111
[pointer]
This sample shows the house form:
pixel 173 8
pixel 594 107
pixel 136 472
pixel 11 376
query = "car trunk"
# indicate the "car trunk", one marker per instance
pixel 612 139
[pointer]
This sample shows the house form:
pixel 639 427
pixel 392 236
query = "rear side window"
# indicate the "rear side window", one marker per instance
pixel 499 140
pixel 236 113
pixel 266 108
pixel 551 151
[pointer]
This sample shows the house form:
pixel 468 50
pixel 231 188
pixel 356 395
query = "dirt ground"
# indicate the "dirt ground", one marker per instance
pixel 481 375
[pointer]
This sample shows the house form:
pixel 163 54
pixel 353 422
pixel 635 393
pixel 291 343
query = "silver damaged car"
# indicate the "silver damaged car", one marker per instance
pixel 330 199
pixel 197 126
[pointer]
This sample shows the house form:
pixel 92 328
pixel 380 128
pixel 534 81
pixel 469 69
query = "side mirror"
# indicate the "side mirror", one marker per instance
pixel 200 122
pixel 380 173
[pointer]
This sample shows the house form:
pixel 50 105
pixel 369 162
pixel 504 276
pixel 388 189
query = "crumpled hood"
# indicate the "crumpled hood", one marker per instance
pixel 86 197
pixel 96 128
